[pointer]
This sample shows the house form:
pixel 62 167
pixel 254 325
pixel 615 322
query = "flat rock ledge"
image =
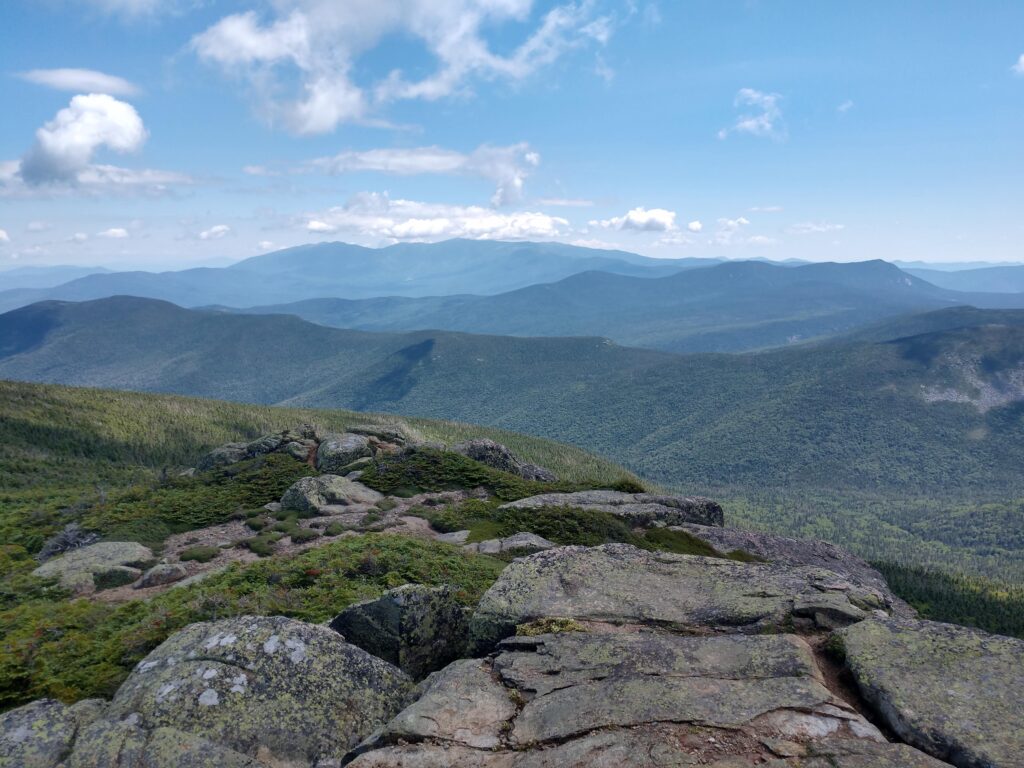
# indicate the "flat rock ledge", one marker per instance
pixel 954 692
pixel 623 585
pixel 782 550
pixel 642 509
pixel 635 700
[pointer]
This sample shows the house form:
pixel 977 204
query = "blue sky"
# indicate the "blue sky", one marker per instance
pixel 170 133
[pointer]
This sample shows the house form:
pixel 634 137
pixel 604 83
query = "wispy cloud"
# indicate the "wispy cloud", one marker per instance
pixel 845 107
pixel 322 43
pixel 1018 68
pixel 765 120
pixel 507 167
pixel 377 216
pixel 80 81
pixel 815 227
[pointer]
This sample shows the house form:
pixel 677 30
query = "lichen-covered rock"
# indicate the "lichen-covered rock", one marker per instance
pixel 319 494
pixel 37 735
pixel 661 745
pixel 164 573
pixel 338 451
pixel 75 569
pixel 463 703
pixel 123 744
pixel 521 542
pixel 258 685
pixel 622 584
pixel 953 692
pixel 394 435
pixel 642 509
pixel 636 700
pixel 783 550
pixel 496 455
pixel 417 628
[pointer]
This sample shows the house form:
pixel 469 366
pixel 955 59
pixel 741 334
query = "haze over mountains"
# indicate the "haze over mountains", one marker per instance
pixel 352 271
pixel 723 308
pixel 543 289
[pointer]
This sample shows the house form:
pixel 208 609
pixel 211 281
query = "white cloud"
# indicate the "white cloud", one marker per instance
pixel 695 226
pixel 845 107
pixel 81 81
pixel 322 42
pixel 4 237
pixel 761 240
pixel 815 227
pixel 1018 68
pixel 767 209
pixel 61 159
pixel 379 217
pixel 766 121
pixel 78 237
pixel 265 245
pixel 216 232
pixel 114 233
pixel 38 226
pixel 65 145
pixel 507 167
pixel 641 220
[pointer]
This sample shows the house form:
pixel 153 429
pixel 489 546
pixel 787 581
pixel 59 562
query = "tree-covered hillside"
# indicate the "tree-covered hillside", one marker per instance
pixel 906 449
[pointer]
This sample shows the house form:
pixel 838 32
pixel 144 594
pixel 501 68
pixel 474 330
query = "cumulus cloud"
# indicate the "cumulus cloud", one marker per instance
pixel 216 232
pixel 379 217
pixel 4 237
pixel 317 45
pixel 1018 68
pixel 815 227
pixel 114 233
pixel 80 81
pixel 507 167
pixel 641 220
pixel 695 226
pixel 64 148
pixel 764 120
pixel 65 145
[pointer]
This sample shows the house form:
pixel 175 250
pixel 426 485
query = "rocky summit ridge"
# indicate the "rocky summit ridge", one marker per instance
pixel 794 655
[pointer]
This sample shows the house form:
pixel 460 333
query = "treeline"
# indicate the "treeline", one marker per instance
pixel 959 598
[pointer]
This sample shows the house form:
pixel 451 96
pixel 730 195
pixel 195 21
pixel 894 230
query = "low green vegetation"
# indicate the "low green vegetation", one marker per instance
pixel 75 649
pixel 432 470
pixel 564 525
pixel 199 554
pixel 959 599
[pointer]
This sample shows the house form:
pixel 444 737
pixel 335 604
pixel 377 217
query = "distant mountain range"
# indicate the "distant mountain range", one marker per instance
pixel 803 414
pixel 352 271
pixel 43 277
pixel 1009 279
pixel 730 307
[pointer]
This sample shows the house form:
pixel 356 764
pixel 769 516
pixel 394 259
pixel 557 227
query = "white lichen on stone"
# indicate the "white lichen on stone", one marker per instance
pixel 209 698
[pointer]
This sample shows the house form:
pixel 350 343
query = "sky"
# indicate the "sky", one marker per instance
pixel 164 134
